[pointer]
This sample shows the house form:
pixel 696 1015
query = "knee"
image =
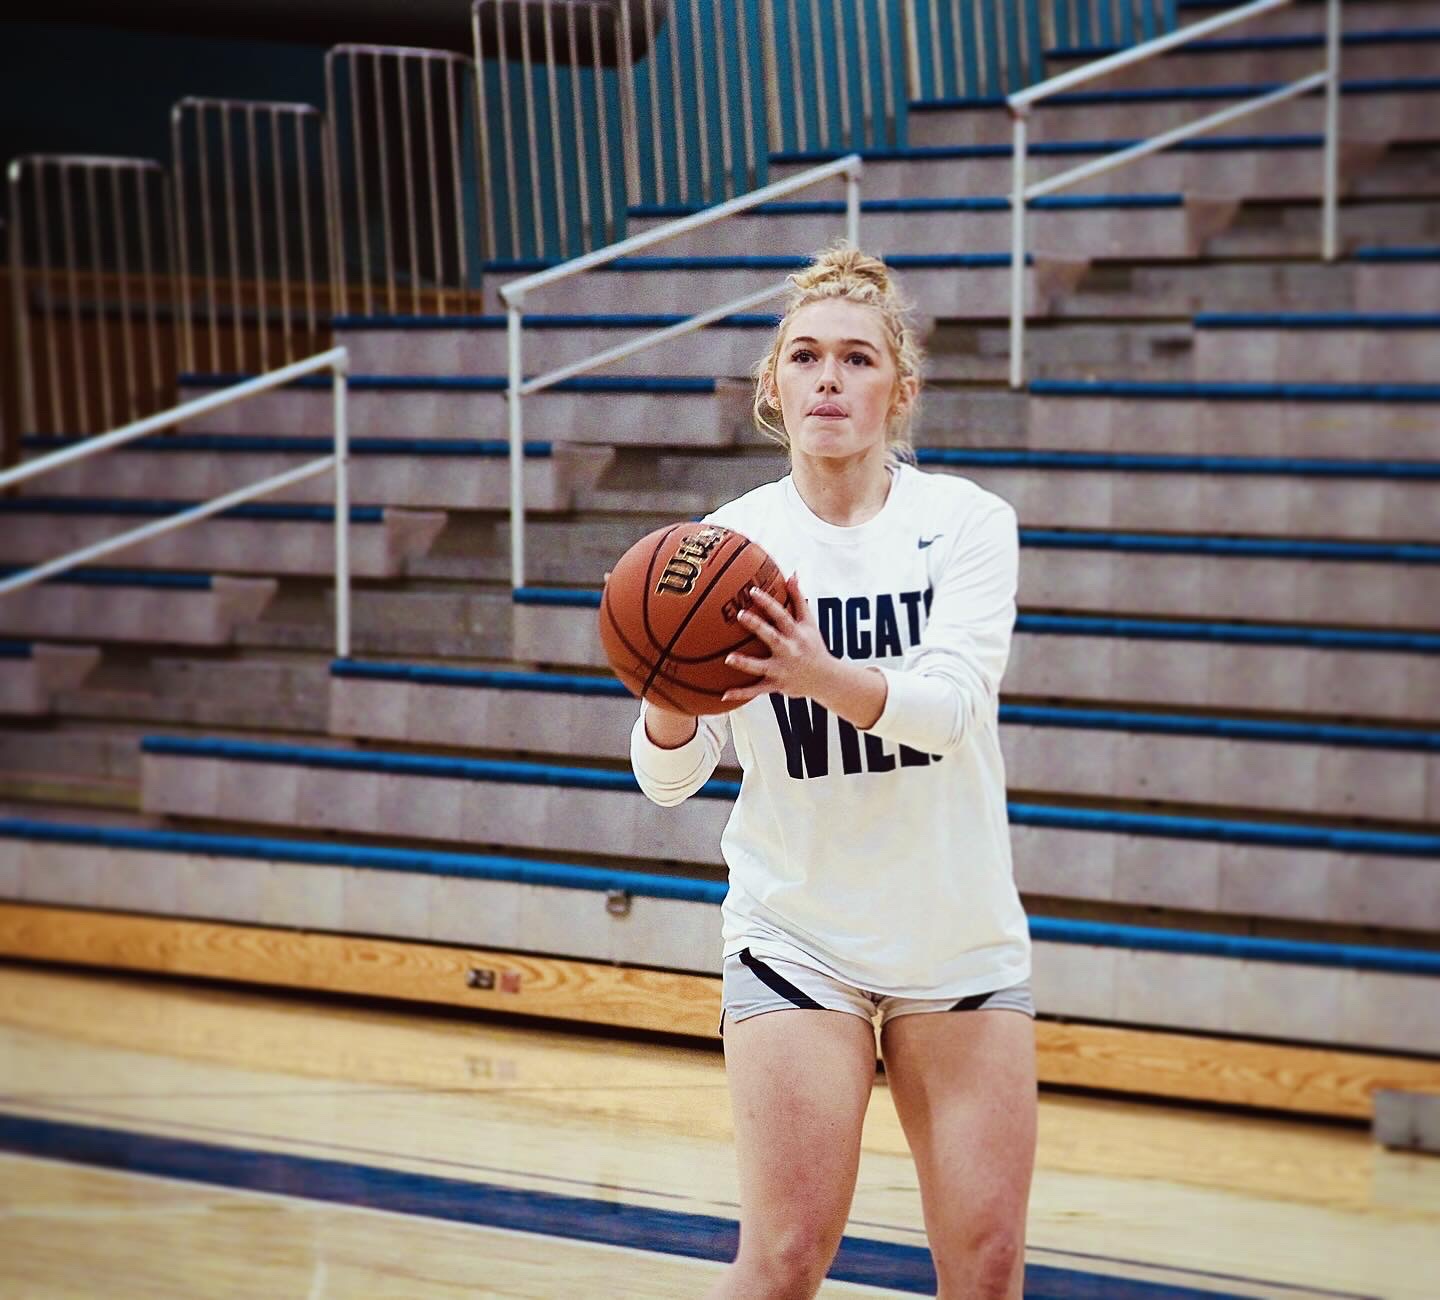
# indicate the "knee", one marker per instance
pixel 987 1264
pixel 787 1265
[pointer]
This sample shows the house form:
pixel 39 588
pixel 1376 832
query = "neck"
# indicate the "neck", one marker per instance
pixel 842 491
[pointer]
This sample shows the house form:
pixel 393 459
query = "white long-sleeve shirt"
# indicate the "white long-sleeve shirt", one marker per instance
pixel 880 857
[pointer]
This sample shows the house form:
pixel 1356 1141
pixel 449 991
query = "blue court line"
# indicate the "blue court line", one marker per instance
pixel 1319 320
pixel 1377 253
pixel 889 1265
pixel 1146 462
pixel 1262 44
pixel 541 321
pixel 147 509
pixel 475 383
pixel 238 442
pixel 1062 148
pixel 1243 391
pixel 977 203
pixel 126 578
pixel 1171 94
pixel 765 262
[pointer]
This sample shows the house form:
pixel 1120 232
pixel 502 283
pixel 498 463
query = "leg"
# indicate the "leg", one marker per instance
pixel 799 1084
pixel 964 1088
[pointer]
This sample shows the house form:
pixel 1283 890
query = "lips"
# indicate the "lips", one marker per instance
pixel 828 409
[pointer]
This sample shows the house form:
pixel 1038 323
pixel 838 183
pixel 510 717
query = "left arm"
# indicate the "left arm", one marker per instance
pixel 947 681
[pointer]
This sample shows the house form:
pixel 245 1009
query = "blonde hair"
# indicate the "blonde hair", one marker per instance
pixel 843 271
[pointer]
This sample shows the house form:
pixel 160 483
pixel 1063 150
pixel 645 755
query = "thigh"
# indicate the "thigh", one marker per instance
pixel 964 1088
pixel 799 1081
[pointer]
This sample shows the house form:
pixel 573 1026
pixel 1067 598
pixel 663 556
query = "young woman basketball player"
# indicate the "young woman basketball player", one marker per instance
pixel 869 854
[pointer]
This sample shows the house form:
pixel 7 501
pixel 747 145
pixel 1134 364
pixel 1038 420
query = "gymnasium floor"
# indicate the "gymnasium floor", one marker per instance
pixel 171 1140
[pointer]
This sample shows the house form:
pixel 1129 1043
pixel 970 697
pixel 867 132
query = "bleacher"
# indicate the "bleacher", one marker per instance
pixel 1221 718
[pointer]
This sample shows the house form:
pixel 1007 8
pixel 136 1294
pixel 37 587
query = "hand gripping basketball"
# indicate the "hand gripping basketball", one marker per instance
pixel 670 615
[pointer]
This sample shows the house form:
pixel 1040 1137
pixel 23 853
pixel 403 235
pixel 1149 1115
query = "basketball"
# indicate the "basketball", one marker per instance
pixel 669 614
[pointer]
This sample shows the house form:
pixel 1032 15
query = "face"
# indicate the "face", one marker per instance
pixel 836 380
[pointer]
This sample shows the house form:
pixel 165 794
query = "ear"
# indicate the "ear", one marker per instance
pixel 767 389
pixel 906 391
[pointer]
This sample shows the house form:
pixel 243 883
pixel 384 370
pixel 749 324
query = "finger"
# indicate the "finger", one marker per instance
pixel 747 664
pixel 797 597
pixel 607 578
pixel 779 615
pixel 744 694
pixel 765 631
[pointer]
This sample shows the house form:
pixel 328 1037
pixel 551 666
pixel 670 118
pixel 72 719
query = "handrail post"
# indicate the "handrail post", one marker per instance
pixel 19 308
pixel 1020 118
pixel 517 447
pixel 339 371
pixel 1330 242
pixel 852 204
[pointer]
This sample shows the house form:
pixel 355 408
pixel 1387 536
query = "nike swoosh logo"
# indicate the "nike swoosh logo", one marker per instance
pixel 928 541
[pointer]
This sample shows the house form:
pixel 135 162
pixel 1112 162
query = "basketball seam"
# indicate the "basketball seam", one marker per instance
pixel 694 609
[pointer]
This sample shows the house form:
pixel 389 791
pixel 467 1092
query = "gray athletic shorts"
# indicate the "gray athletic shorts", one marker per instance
pixel 752 986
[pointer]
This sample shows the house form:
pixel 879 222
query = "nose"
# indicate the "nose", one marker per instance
pixel 829 377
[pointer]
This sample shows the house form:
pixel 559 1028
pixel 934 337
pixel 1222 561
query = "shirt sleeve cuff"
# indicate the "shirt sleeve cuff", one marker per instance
pixel 912 706
pixel 671 766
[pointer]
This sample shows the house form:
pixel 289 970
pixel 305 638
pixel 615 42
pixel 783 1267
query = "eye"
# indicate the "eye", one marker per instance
pixel 862 357
pixel 802 354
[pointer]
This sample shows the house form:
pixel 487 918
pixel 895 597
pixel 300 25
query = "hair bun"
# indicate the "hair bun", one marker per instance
pixel 843 264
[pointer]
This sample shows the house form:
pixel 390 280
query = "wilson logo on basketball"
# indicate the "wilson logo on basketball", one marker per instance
pixel 678 576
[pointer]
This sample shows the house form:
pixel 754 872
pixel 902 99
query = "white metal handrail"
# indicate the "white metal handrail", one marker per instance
pixel 851 167
pixel 336 360
pixel 1021 103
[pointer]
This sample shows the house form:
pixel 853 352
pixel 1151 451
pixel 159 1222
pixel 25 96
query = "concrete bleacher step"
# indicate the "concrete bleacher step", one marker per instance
pixel 1292 227
pixel 1365 584
pixel 32 674
pixel 457 345
pixel 1329 672
pixel 1226 166
pixel 1390 108
pixel 966 285
pixel 1383 421
pixel 263 538
pixel 103 605
pixel 1150 859
pixel 1355 993
pixel 1397 278
pixel 1336 347
pixel 1314 769
pixel 74 764
pixel 1125 225
pixel 644 410
pixel 413 473
pixel 257 692
pixel 1241 55
pixel 1249 495
pixel 1308 16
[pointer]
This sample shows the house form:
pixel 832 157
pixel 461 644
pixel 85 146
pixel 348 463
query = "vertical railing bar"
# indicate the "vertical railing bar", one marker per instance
pixel 342 509
pixel 770 78
pixel 1330 234
pixel 282 244
pixel 1018 163
pixel 402 77
pixel 19 314
pixel 797 98
pixel 911 36
pixel 629 108
pixel 817 44
pixel 702 115
pixel 457 160
pixel 867 98
pixel 330 168
pixel 602 117
pixel 72 284
pixel 582 160
pixel 302 172
pixel 47 309
pixel 482 129
pixel 557 154
pixel 532 142
pixel 722 92
pixel 232 239
pixel 747 110
pixel 182 268
pixel 122 280
pixel 937 63
pixel 152 326
pixel 512 191
pixel 387 242
pixel 433 168
pixel 262 315
pixel 207 228
pixel 842 66
pixel 652 58
pixel 887 76
pixel 682 152
pixel 517 445
pixel 107 405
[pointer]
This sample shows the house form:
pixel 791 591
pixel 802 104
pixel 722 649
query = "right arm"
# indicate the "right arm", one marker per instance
pixel 674 754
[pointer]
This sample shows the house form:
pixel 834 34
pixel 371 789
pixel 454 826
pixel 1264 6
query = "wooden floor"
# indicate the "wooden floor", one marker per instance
pixel 308 1149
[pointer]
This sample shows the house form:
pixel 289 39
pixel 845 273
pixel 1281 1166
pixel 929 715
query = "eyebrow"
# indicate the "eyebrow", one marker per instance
pixel 864 343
